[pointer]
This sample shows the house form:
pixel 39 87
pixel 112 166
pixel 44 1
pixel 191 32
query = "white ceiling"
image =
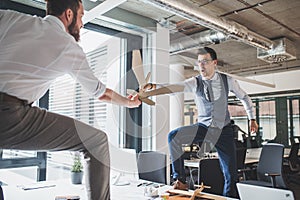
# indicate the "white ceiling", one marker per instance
pixel 270 19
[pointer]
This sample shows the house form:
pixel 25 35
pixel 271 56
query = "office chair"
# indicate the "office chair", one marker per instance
pixel 240 162
pixel 211 175
pixel 269 168
pixel 293 161
pixel 152 166
pixel 293 164
pixel 1 193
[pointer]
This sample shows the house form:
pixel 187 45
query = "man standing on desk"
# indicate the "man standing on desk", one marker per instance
pixel 34 52
pixel 211 97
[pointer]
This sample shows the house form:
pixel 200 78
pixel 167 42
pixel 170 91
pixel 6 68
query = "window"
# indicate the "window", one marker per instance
pixel 293 118
pixel 68 98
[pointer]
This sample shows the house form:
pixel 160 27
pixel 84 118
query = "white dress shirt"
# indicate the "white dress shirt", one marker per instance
pixel 190 85
pixel 233 86
pixel 35 51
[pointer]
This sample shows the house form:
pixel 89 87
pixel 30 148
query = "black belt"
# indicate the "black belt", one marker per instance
pixel 12 99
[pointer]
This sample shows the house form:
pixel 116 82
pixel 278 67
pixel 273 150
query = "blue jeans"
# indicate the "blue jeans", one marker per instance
pixel 197 133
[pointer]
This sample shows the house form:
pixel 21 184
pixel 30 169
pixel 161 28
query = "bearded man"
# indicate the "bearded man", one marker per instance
pixel 34 52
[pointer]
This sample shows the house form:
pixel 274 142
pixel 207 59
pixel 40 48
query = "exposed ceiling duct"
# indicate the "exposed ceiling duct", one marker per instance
pixel 189 11
pixel 283 50
pixel 194 41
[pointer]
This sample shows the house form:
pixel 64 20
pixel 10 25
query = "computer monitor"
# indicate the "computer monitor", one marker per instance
pixel 250 192
pixel 123 164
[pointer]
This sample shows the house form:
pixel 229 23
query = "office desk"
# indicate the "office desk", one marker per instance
pixel 252 156
pixel 194 163
pixel 64 187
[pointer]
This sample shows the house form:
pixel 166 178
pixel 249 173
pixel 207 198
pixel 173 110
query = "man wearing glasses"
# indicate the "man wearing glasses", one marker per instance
pixel 211 97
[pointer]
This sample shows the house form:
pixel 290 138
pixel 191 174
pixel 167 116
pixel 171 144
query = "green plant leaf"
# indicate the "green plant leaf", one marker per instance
pixel 77 165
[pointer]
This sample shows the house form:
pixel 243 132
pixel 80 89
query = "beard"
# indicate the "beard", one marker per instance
pixel 74 30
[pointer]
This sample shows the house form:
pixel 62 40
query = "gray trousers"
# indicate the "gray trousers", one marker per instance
pixel 31 128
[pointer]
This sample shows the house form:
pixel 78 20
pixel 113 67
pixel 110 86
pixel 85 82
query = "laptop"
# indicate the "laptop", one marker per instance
pixel 123 165
pixel 250 192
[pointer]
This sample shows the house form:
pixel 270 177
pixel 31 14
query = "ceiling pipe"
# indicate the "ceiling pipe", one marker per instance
pixel 189 11
pixel 203 38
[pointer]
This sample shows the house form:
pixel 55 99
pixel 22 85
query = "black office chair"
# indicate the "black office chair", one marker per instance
pixel 152 166
pixel 269 168
pixel 1 193
pixel 210 174
pixel 293 160
pixel 240 162
pixel 292 163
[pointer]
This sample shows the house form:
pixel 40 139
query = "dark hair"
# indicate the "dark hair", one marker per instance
pixel 57 7
pixel 208 50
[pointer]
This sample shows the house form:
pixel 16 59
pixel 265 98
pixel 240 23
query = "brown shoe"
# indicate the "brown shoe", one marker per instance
pixel 180 186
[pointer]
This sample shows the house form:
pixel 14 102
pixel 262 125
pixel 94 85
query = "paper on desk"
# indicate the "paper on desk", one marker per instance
pixel 39 185
pixel 68 197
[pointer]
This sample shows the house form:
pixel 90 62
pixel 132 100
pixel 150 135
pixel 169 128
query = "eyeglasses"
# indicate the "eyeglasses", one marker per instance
pixel 203 62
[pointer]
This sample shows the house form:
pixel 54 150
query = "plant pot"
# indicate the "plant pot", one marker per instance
pixel 76 177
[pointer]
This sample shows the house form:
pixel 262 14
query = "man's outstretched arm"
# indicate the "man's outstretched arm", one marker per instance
pixel 113 97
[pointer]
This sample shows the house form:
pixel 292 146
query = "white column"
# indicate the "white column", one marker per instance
pixel 161 111
pixel 176 101
pixel 168 113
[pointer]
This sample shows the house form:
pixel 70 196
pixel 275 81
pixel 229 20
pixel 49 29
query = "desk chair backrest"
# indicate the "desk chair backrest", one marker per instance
pixel 240 162
pixel 270 161
pixel 152 166
pixel 1 193
pixel 293 158
pixel 211 175
pixel 240 157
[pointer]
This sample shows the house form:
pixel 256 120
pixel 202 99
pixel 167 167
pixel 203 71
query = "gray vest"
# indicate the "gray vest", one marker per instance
pixel 213 113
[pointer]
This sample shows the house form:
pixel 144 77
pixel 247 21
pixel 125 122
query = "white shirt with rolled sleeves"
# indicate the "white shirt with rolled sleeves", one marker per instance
pixel 34 51
pixel 190 85
pixel 233 86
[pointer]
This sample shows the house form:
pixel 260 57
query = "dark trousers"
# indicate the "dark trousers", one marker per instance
pixel 198 133
pixel 31 128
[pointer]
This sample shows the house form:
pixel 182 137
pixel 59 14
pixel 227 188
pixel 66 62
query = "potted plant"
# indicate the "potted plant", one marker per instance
pixel 76 171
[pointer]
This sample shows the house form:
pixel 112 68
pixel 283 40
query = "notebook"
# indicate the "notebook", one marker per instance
pixel 250 192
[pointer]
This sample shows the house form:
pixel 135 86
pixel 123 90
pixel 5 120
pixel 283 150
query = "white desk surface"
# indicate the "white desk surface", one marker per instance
pixel 252 156
pixel 61 187
pixel 64 187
